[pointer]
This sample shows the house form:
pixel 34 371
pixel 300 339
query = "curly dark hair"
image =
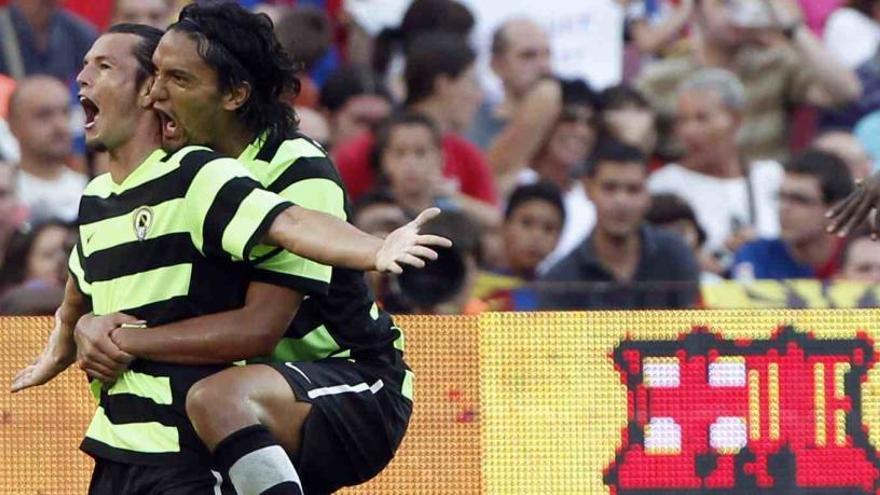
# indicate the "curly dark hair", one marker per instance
pixel 242 47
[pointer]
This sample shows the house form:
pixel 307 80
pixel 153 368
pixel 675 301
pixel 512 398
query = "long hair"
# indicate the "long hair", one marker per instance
pixel 242 47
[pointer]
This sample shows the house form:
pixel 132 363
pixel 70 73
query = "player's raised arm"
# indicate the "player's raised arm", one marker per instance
pixel 328 240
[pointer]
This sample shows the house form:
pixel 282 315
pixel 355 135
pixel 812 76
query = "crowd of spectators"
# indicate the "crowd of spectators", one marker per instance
pixel 731 128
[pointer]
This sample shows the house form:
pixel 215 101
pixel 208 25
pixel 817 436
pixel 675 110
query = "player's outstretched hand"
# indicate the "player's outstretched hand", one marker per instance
pixel 57 356
pixel 96 353
pixel 852 211
pixel 405 246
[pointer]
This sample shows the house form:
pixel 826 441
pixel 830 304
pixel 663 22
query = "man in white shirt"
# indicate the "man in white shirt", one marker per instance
pixel 735 201
pixel 39 116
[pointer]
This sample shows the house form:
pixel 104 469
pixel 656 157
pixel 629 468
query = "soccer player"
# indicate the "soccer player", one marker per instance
pixel 334 394
pixel 164 237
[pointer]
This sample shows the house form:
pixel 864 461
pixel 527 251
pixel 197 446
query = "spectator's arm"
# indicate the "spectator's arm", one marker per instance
pixel 487 215
pixel 834 84
pixel 518 143
pixel 653 38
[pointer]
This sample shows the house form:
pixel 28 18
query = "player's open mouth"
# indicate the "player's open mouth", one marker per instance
pixel 91 110
pixel 170 129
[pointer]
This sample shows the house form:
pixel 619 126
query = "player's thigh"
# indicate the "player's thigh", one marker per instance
pixel 257 389
pixel 355 425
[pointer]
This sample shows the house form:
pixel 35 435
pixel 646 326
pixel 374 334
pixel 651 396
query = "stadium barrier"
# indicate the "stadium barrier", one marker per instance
pixel 758 401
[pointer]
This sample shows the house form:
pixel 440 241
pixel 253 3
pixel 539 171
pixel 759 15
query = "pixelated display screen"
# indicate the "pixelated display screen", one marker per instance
pixel 763 402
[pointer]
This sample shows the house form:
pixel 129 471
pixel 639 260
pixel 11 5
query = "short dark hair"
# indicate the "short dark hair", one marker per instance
pixel 349 81
pixel 422 16
pixel 612 150
pixel 143 51
pixel 242 47
pixel 667 208
pixel 541 191
pixel 833 175
pixel 577 92
pixel 621 95
pixel 431 56
pixel 405 117
pixel 305 33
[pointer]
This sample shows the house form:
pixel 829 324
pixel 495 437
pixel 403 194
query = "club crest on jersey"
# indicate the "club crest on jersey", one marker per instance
pixel 143 220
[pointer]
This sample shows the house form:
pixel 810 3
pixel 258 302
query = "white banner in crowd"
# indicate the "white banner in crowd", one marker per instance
pixel 586 36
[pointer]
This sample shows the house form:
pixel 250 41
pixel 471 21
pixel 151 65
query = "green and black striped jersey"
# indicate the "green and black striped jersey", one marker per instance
pixel 170 242
pixel 336 320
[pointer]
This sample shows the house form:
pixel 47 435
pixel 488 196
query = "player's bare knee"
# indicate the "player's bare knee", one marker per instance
pixel 207 397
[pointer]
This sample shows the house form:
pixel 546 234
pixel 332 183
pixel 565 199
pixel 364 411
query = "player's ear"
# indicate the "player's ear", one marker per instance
pixel 144 100
pixel 236 97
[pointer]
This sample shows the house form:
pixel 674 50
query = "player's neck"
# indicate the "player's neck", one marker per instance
pixel 235 138
pixel 125 158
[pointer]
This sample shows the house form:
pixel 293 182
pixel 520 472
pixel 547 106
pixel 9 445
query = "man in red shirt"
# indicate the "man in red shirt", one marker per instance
pixel 441 83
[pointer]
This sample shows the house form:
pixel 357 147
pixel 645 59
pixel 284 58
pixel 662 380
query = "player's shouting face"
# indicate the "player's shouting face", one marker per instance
pixel 186 94
pixel 112 91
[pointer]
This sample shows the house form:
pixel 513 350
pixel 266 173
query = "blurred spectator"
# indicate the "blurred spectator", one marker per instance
pixel 306 34
pixel 37 257
pixel 849 116
pixel 628 117
pixel 392 45
pixel 814 182
pixel 409 157
pixel 441 84
pixel 559 160
pixel 624 263
pixel 670 212
pixel 39 117
pixel 444 286
pixel 860 261
pixel 734 200
pixel 852 33
pixel 532 224
pixel 520 58
pixel 867 131
pixel 354 101
pixel 12 212
pixel 654 25
pixel 156 13
pixel 313 124
pixel 779 62
pixel 848 148
pixel 377 213
pixel 38 37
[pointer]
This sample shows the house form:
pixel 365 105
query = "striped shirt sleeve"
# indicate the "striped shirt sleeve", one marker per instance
pixel 75 266
pixel 228 211
pixel 308 182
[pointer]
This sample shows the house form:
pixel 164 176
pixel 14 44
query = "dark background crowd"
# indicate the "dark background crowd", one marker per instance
pixel 724 132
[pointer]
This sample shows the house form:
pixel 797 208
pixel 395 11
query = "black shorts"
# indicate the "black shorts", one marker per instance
pixel 113 478
pixel 358 418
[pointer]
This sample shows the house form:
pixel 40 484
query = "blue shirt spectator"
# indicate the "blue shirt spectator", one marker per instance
pixel 769 258
pixel 68 39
